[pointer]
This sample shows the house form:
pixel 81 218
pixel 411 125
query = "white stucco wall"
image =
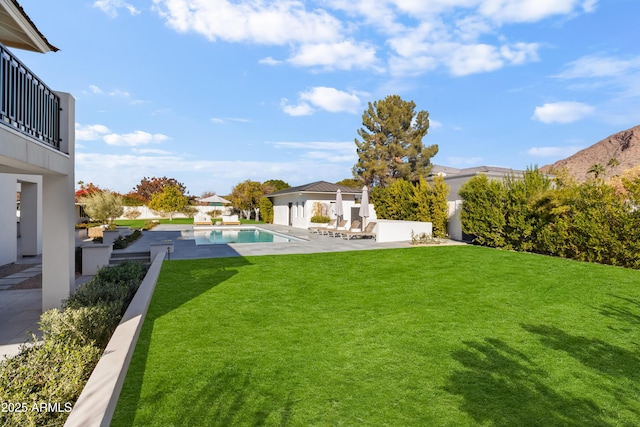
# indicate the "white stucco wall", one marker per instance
pixel 454 226
pixel 301 218
pixel 8 230
pixel 400 231
pixel 146 213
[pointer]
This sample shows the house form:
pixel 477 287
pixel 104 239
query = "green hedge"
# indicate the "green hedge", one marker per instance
pixel 266 210
pixel 585 221
pixel 43 382
pixel 421 201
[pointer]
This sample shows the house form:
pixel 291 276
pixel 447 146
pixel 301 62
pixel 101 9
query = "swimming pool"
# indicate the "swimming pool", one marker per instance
pixel 239 235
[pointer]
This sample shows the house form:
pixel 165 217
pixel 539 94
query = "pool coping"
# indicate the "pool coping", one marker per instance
pixel 289 237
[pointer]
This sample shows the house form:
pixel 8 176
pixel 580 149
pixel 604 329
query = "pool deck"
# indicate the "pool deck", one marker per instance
pixel 20 309
pixel 185 248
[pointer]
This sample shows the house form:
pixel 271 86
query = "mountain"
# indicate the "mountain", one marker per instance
pixel 616 153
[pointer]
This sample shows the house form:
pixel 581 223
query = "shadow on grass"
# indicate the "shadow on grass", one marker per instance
pixel 501 386
pixel 222 400
pixel 596 354
pixel 627 311
pixel 178 284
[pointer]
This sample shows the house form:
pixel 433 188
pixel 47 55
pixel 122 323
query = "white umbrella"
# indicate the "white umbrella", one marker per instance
pixel 364 206
pixel 339 208
pixel 215 199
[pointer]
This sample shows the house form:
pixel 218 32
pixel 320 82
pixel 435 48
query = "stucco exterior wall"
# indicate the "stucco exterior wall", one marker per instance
pixel 8 220
pixel 302 208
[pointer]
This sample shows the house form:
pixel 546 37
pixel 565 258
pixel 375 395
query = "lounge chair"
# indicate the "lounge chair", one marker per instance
pixel 368 232
pixel 230 220
pixel 355 226
pixel 329 230
pixel 201 220
pixel 331 223
pixel 343 226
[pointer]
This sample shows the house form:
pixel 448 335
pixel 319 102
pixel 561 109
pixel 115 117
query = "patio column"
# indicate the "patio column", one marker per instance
pixel 58 217
pixel 8 220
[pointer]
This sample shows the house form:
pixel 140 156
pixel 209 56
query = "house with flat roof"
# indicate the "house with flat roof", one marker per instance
pixel 455 178
pixel 37 139
pixel 295 206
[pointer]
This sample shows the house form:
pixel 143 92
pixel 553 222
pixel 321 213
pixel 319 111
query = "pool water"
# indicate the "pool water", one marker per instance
pixel 238 235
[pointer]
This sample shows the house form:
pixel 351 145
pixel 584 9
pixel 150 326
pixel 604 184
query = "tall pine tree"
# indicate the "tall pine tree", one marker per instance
pixel 391 146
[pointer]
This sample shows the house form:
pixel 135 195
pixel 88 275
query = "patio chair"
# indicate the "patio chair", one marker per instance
pixel 355 226
pixel 317 230
pixel 335 232
pixel 368 232
pixel 341 226
pixel 201 219
pixel 230 220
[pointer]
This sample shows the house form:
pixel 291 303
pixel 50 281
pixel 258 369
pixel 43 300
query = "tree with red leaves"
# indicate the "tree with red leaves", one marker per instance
pixel 150 186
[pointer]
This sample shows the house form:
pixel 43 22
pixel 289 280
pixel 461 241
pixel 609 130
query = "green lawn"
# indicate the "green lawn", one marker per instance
pixel 424 336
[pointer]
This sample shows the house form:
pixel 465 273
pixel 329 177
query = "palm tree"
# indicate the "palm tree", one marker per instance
pixel 597 170
pixel 613 162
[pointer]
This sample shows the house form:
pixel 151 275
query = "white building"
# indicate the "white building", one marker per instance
pixel 37 141
pixel 455 178
pixel 295 206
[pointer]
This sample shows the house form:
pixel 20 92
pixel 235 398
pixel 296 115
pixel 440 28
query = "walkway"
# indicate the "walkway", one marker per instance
pixel 20 309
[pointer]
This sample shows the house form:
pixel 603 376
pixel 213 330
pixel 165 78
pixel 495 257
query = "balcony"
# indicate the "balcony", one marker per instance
pixel 27 105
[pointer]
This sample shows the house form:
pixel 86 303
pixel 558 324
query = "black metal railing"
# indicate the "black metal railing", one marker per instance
pixel 26 103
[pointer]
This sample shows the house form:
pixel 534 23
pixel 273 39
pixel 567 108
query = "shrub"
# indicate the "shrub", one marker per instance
pixel 189 211
pixel 482 213
pixel 56 370
pixel 590 221
pixel 266 210
pixel 149 224
pixel 403 200
pixel 114 285
pixel 321 219
pixel 132 213
pixel 215 213
pixel 124 241
pixel 81 326
pixel 51 372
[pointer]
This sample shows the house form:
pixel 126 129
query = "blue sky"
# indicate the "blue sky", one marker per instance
pixel 214 92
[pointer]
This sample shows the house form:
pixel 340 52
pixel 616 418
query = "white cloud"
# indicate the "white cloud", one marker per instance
pixel 95 89
pixel 512 11
pixel 432 46
pixel 122 172
pixel 333 152
pixel 553 151
pixel 474 59
pixel 332 100
pixel 325 98
pixel 461 35
pixel 135 138
pixel 434 124
pixel 343 55
pixel 269 61
pixel 222 120
pixel 110 7
pixel 562 112
pixel 90 132
pixel 120 93
pixel 275 23
pixel 301 109
pixel 596 66
pixel 152 151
